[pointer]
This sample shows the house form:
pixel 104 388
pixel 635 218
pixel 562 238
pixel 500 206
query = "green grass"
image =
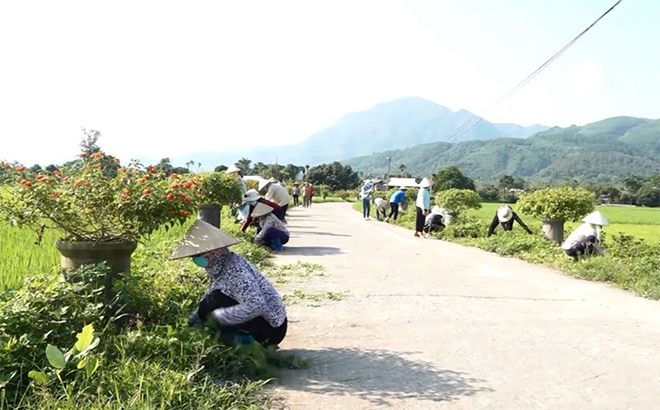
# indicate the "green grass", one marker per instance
pixel 147 357
pixel 643 223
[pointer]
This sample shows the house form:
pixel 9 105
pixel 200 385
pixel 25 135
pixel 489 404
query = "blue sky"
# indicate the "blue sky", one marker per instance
pixel 170 78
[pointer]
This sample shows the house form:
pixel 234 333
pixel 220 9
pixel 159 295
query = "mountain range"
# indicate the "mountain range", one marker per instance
pixel 397 124
pixel 603 151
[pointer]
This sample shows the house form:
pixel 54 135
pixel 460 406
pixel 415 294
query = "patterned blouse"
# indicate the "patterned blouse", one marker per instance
pixel 268 221
pixel 237 278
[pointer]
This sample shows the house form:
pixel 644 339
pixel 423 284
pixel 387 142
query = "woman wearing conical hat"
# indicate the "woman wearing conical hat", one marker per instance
pixel 422 206
pixel 585 240
pixel 271 232
pixel 505 216
pixel 239 298
pixel 250 200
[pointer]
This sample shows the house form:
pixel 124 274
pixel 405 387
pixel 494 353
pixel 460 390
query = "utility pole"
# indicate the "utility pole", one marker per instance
pixel 389 164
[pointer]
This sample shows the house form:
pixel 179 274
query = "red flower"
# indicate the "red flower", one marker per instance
pixel 83 155
pixel 147 191
pixel 20 168
pixel 170 197
pixel 98 165
pixel 188 185
pixel 57 173
pixel 185 213
pixel 182 197
pixel 175 176
pixel 188 200
pixel 55 195
pixel 174 185
pixel 26 183
pixel 88 184
pixel 79 182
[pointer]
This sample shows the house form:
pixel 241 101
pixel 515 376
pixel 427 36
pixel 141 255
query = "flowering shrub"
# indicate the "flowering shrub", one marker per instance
pixel 95 199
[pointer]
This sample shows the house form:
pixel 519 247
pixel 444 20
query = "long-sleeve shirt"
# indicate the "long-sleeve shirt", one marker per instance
pixel 365 193
pixel 268 221
pixel 508 225
pixel 249 219
pixel 398 197
pixel 277 193
pixel 237 278
pixel 423 199
pixel 582 232
pixel 243 189
pixel 381 204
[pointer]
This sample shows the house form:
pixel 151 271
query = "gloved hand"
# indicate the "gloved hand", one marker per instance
pixel 194 319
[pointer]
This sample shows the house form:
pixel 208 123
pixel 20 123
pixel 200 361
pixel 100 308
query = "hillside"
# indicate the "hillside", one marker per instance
pixel 604 151
pixel 397 124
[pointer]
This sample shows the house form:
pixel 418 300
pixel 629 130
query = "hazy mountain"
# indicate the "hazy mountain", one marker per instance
pixel 603 151
pixel 401 123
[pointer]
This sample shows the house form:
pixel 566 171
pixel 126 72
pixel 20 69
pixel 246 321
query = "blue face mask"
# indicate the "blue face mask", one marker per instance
pixel 201 261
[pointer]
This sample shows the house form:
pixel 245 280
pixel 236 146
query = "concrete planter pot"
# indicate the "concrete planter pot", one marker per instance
pixel 210 213
pixel 117 255
pixel 554 229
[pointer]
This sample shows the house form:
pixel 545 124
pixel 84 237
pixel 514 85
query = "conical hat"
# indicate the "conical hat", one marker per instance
pixel 504 214
pixel 232 169
pixel 202 237
pixel 261 209
pixel 263 183
pixel 425 183
pixel 596 218
pixel 251 195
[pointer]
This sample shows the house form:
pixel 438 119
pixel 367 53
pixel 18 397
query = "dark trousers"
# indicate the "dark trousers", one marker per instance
pixel 394 210
pixel 258 328
pixel 279 213
pixel 380 213
pixel 272 233
pixel 419 220
pixel 366 207
pixel 284 209
pixel 295 200
pixel 584 247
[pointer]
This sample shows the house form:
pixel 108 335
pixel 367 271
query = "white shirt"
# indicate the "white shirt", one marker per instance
pixel 579 234
pixel 277 193
pixel 381 203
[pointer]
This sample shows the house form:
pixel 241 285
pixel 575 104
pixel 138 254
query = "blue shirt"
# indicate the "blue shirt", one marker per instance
pixel 398 197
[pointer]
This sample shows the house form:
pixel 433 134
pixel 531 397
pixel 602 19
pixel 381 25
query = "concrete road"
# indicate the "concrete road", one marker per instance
pixel 427 324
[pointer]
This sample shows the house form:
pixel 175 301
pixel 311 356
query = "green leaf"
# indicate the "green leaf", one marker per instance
pixel 81 364
pixel 84 338
pixel 91 364
pixel 55 357
pixel 39 377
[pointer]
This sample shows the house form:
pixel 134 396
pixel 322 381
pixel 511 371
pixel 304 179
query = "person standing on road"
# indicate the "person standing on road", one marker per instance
pixel 423 207
pixel 382 208
pixel 397 199
pixel 276 193
pixel 505 216
pixel 365 195
pixel 305 195
pixel 585 240
pixel 295 192
pixel 239 298
pixel 311 194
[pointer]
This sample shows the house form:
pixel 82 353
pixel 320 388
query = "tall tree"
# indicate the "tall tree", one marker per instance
pixel 165 166
pixel 452 177
pixel 335 176
pixel 244 164
pixel 220 168
pixel 89 143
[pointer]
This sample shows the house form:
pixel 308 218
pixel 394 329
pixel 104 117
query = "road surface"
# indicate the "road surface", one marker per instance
pixel 427 324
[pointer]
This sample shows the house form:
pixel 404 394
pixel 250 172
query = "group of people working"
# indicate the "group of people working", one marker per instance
pixel 427 220
pixel 581 243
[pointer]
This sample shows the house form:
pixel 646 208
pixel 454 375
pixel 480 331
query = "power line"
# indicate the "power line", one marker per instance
pixel 468 125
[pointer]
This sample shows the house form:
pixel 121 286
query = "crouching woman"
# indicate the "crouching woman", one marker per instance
pixel 585 240
pixel 271 232
pixel 243 303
